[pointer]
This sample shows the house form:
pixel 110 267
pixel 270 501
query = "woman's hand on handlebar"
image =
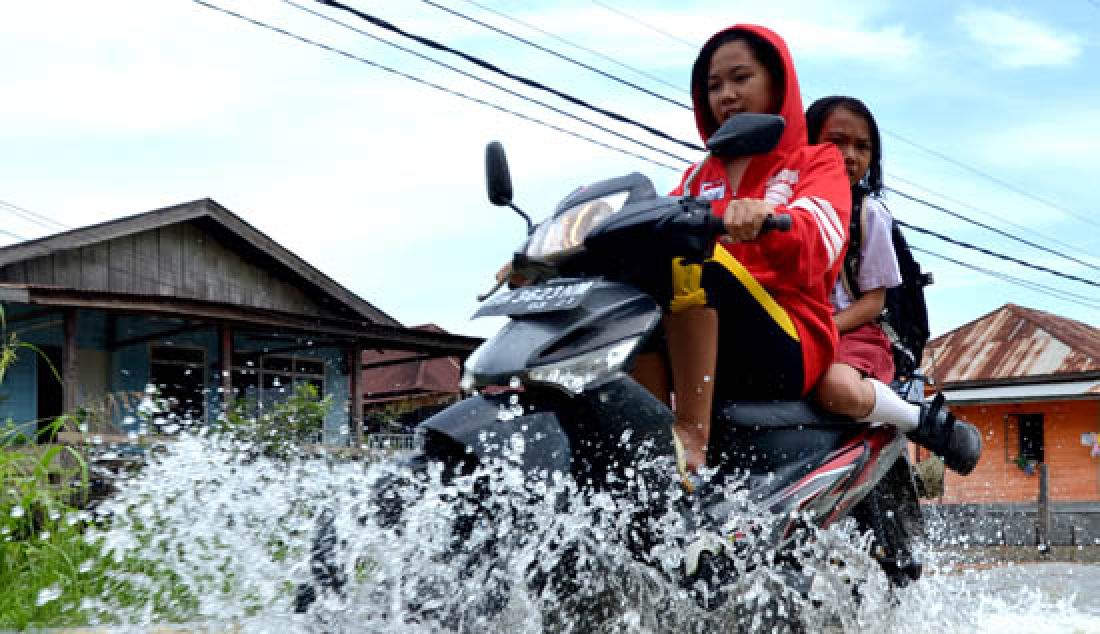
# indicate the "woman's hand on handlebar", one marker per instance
pixel 506 275
pixel 744 219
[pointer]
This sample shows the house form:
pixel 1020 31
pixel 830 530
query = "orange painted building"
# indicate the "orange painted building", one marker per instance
pixel 1030 381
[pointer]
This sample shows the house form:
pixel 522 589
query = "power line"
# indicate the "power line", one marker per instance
pixel 425 41
pixel 13 235
pixel 1075 298
pixel 955 214
pixel 556 54
pixel 579 47
pixel 940 155
pixel 556 128
pixel 988 214
pixel 31 216
pixel 484 81
pixel 1006 258
pixel 647 25
pixel 1003 183
pixel 425 82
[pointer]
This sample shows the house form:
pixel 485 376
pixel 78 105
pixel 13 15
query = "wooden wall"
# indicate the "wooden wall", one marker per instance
pixel 1074 474
pixel 180 260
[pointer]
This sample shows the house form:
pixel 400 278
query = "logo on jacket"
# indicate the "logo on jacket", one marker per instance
pixel 712 190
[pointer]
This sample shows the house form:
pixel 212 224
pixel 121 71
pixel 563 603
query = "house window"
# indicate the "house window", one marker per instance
pixel 1031 436
pixel 265 379
pixel 180 376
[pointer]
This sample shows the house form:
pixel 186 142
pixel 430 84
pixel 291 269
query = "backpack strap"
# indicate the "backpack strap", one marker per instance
pixel 849 274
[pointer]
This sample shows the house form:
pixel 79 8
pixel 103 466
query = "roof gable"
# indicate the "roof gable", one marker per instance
pixel 140 254
pixel 1013 342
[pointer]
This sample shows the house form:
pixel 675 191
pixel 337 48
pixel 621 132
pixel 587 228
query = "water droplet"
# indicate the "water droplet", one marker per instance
pixel 45 595
pixel 707 379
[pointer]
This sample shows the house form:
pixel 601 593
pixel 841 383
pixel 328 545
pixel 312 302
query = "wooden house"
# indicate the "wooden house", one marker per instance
pixel 195 302
pixel 1030 381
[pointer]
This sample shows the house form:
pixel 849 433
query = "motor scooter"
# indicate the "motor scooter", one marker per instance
pixel 556 377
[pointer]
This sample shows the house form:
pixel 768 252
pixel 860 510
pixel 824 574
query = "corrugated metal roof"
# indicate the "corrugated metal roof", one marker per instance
pixel 1013 342
pixel 415 376
pixel 1049 391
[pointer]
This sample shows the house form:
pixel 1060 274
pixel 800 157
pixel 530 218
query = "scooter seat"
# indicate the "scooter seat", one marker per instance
pixel 780 415
pixel 764 437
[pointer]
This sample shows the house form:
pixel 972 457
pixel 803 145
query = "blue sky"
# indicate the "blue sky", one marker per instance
pixel 121 106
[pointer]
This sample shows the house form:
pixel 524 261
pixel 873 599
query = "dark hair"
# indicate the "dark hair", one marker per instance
pixel 761 49
pixel 820 110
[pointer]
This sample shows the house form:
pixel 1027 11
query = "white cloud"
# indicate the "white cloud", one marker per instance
pixel 1014 41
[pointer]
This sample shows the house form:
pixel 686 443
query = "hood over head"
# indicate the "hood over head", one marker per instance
pixel 790 108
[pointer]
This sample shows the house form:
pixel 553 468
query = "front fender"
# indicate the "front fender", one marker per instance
pixel 487 427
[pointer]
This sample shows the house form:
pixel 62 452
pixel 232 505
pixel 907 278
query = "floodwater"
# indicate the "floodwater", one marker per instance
pixel 235 530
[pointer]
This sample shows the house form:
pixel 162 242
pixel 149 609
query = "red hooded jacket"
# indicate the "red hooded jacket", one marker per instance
pixel 808 182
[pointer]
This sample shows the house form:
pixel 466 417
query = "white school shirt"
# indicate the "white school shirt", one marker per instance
pixel 878 266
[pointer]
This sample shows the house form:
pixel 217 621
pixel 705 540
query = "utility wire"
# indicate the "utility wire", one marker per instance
pixel 940 155
pixel 647 25
pixel 900 193
pixel 1006 258
pixel 379 22
pixel 9 233
pixel 34 217
pixel 579 47
pixel 571 133
pixel 556 54
pixel 999 181
pixel 955 214
pixel 941 195
pixel 486 82
pixel 1080 300
pixel 425 82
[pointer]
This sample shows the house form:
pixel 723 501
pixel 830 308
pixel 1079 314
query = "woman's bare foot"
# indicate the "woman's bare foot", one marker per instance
pixel 692 441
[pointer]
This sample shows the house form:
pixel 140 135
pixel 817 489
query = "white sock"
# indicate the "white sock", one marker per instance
pixel 891 409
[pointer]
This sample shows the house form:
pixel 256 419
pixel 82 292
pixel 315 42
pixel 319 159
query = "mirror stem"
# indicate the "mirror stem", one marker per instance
pixel 530 225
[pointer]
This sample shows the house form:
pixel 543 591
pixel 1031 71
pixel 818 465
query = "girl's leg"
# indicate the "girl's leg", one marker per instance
pixel 842 390
pixel 692 335
pixel 651 372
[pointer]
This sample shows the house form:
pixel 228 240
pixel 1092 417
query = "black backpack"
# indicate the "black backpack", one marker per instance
pixel 904 316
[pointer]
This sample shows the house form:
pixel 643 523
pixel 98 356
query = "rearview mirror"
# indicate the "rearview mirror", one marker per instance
pixel 498 181
pixel 746 134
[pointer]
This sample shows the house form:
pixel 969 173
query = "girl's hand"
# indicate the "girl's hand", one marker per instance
pixel 744 217
pixel 514 280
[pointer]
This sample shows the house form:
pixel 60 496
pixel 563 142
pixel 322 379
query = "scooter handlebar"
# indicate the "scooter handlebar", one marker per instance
pixel 774 222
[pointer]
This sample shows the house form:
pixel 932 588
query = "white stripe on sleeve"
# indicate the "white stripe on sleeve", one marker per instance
pixel 827 223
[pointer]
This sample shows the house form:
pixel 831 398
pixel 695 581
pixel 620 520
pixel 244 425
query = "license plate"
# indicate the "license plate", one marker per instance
pixel 530 300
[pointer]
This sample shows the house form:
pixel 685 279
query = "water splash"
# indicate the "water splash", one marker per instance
pixel 227 537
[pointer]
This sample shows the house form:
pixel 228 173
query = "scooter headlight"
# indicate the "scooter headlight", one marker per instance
pixel 576 374
pixel 564 234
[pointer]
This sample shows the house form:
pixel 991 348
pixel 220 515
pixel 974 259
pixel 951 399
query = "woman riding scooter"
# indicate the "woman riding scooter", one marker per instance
pixel 753 321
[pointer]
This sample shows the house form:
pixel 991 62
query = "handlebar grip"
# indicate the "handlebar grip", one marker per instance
pixel 776 222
